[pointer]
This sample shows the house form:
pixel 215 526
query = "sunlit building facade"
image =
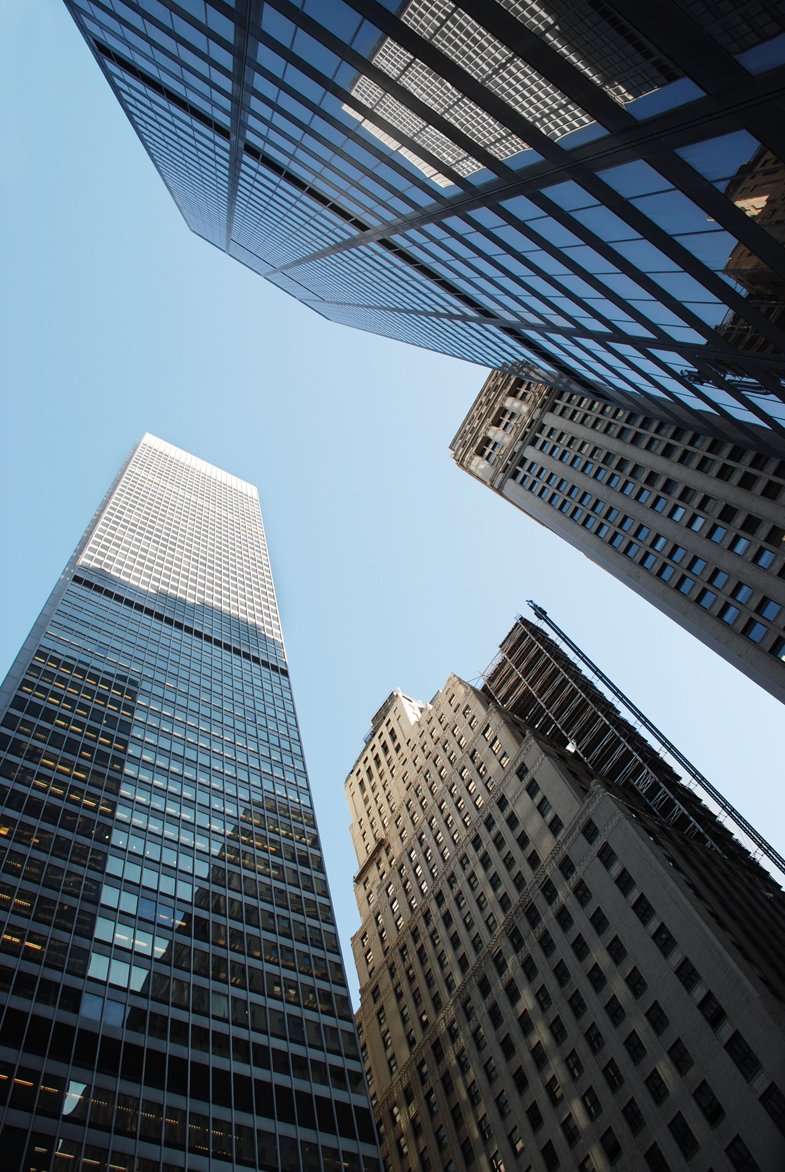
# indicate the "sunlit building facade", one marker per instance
pixel 692 522
pixel 173 990
pixel 594 188
pixel 566 959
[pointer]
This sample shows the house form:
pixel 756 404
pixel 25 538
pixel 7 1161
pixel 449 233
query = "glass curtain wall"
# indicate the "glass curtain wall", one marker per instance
pixel 173 988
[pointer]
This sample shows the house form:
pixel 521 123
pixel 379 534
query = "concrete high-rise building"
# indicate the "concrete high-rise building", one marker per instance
pixel 566 960
pixel 592 187
pixel 693 523
pixel 173 990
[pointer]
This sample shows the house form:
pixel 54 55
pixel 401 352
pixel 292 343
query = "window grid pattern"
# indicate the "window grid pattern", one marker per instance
pixel 172 979
pixel 499 1012
pixel 699 516
pixel 659 277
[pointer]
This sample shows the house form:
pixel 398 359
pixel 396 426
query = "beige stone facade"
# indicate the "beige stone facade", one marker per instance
pixel 559 968
pixel 691 522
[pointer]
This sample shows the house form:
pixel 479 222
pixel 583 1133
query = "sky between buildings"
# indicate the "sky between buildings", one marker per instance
pixel 392 567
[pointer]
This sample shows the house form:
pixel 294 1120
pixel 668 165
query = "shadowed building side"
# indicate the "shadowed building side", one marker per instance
pixel 566 960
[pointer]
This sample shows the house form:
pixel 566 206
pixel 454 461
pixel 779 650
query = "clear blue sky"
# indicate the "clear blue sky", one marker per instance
pixel 392 567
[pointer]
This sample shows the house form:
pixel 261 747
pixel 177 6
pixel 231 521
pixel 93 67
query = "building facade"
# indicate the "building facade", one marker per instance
pixel 566 960
pixel 173 990
pixel 589 187
pixel 693 523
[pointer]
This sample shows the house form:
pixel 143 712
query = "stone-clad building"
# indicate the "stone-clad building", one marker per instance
pixel 566 960
pixel 693 523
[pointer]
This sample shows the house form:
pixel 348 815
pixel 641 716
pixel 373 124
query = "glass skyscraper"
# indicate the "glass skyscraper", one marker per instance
pixel 173 990
pixel 597 189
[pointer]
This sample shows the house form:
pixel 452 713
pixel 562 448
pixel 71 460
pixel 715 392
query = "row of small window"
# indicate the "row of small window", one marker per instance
pixel 182 649
pixel 167 675
pixel 591 1102
pixel 234 737
pixel 56 877
pixel 217 770
pixel 683 447
pixel 79 679
pixel 170 677
pixel 642 481
pixel 190 643
pixel 179 538
pixel 294 1029
pixel 206 1137
pixel 199 958
pixel 708 1005
pixel 193 823
pixel 93 723
pixel 162 793
pixel 772 1099
pixel 91 789
pixel 186 993
pixel 284 818
pixel 537 479
pixel 271 780
pixel 628 542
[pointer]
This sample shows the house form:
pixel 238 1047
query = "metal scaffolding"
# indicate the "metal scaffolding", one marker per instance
pixel 537 677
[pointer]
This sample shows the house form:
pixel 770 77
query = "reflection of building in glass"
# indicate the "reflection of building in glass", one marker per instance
pixel 174 994
pixel 758 189
pixel 580 216
pixel 603 50
pixel 688 520
pixel 566 959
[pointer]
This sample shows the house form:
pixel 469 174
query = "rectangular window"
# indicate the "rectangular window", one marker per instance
pixel 613 1076
pixel 599 921
pixel 683 1134
pixel 616 950
pixel 636 982
pixel 635 1047
pixel 596 978
pixel 592 1103
pixel 615 1010
pixel 708 1102
pixel 580 947
pixel 664 939
pixel 687 974
pixel 570 1130
pixel 607 855
pixel 680 1056
pixel 633 1116
pixel 594 1038
pixel 743 1055
pixel 610 1145
pixel 643 909
pixel 656 1086
pixel 712 1010
pixel 657 1018
pixel 773 1102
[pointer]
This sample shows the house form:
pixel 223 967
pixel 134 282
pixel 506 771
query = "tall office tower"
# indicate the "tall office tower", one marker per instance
pixel 690 521
pixel 173 991
pixel 566 960
pixel 596 188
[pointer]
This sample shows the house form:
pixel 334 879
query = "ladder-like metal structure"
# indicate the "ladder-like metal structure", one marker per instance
pixel 691 772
